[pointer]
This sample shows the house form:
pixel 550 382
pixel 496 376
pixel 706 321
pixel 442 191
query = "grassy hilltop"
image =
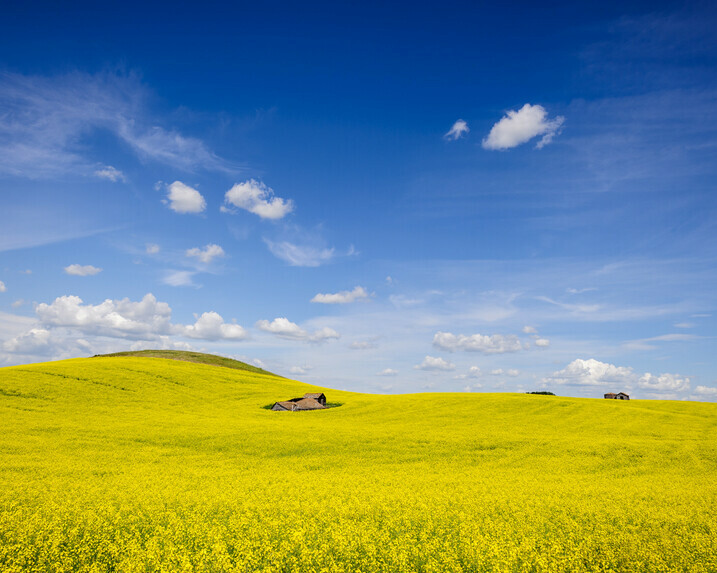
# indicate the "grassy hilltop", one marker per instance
pixel 143 463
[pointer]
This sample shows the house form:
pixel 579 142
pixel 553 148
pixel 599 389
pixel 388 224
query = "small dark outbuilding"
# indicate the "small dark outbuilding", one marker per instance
pixel 618 396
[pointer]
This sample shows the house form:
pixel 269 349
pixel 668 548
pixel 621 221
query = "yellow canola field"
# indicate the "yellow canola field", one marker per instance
pixel 147 464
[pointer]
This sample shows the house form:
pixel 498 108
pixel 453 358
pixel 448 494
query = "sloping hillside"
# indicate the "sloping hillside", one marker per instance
pixel 137 463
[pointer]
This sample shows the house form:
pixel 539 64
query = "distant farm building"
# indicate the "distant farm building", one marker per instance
pixel 618 396
pixel 310 401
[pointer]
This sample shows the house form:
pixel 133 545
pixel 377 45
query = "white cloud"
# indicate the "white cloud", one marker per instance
pixel 542 342
pixel 211 326
pixel 82 270
pixel 496 344
pixel 592 372
pixel 363 345
pixel 497 372
pixel 34 341
pixel 152 249
pixel 60 326
pixel 117 318
pixel 257 198
pixel 179 278
pixel 300 369
pixel 473 372
pixel 206 255
pixel 432 363
pixel 111 173
pixel 529 330
pixel 513 372
pixel 705 391
pixel 284 328
pixel 595 373
pixel 18 303
pixel 300 255
pixel 517 127
pixel 184 199
pixel 343 297
pixel 3 288
pixel 663 382
pixel 387 372
pixel 458 130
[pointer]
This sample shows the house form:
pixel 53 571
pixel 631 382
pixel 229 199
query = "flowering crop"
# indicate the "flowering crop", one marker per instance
pixel 144 464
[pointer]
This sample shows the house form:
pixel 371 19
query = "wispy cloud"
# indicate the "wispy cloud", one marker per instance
pixel 457 130
pixel 342 297
pixel 300 255
pixel 82 270
pixel 46 120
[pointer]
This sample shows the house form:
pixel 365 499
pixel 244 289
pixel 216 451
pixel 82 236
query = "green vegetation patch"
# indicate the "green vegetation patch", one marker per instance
pixel 197 357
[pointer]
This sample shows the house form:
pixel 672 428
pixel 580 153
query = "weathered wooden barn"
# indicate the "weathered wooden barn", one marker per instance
pixel 310 401
pixel 618 396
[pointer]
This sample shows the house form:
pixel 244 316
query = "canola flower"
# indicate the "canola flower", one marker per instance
pixel 143 464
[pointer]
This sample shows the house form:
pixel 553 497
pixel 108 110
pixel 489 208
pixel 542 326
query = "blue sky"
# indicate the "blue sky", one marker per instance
pixel 406 198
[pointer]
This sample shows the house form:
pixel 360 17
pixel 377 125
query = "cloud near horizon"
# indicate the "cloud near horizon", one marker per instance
pixel 518 127
pixel 592 372
pixel 284 328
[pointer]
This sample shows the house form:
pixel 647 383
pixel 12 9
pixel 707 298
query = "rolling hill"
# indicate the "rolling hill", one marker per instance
pixel 157 462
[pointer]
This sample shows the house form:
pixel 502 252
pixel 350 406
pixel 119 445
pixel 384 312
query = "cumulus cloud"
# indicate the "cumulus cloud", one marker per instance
pixel 663 382
pixel 111 173
pixel 529 330
pixel 512 372
pixel 542 342
pixel 117 318
pixel 473 372
pixel 387 372
pixel 300 255
pixel 435 364
pixel 496 344
pixel 257 198
pixel 34 341
pixel 152 249
pixel 706 391
pixel 3 288
pixel 284 328
pixel 518 127
pixel 211 326
pixel 82 270
pixel 592 372
pixel 206 255
pixel 458 130
pixel 343 297
pixel 182 198
pixel 497 372
pixel 62 323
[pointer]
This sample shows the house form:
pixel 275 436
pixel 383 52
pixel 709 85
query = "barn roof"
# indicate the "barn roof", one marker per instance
pixel 287 405
pixel 309 404
pixel 314 395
